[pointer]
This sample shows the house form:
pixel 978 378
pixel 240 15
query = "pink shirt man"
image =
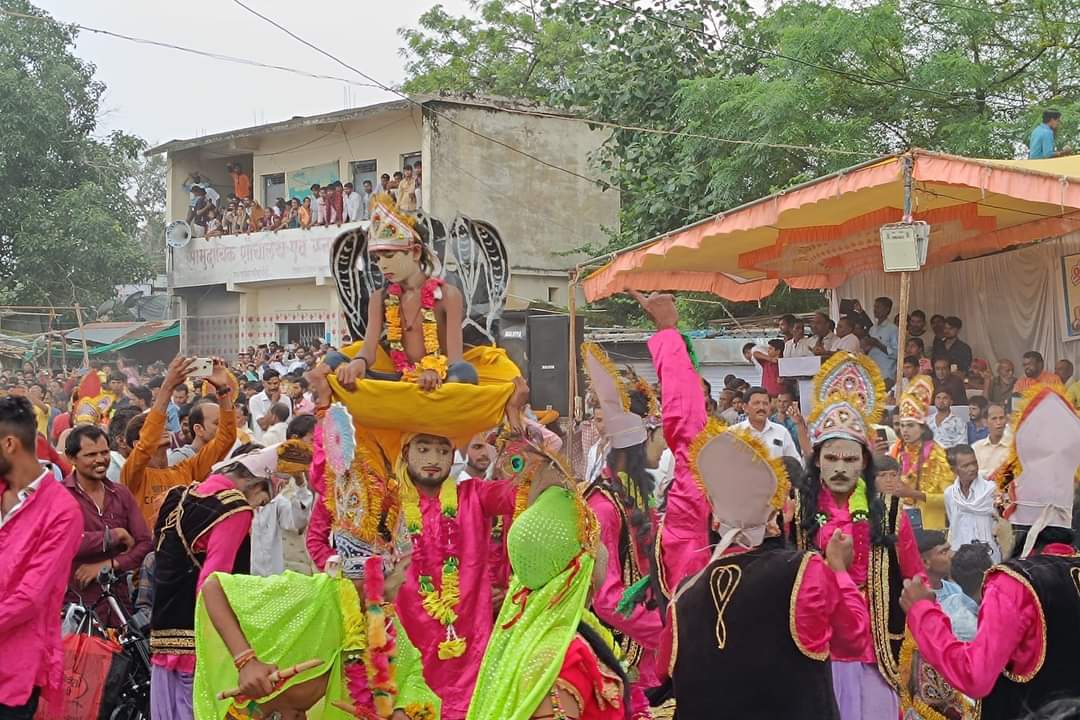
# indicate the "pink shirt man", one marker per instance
pixel 830 614
pixel 684 532
pixel 39 537
pixel 1010 634
pixel 479 503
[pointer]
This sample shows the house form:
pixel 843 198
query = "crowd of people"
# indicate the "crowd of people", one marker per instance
pixel 933 348
pixel 333 204
pixel 388 530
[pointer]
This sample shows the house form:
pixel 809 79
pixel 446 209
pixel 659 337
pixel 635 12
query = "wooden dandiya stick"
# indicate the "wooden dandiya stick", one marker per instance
pixel 276 677
pixel 354 711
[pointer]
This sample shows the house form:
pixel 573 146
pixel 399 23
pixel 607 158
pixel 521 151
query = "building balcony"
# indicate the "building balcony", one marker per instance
pixel 256 257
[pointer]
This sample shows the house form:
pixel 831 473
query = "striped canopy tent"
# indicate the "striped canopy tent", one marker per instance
pixel 819 234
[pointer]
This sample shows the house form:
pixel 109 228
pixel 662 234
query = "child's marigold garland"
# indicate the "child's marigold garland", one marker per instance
pixel 433 360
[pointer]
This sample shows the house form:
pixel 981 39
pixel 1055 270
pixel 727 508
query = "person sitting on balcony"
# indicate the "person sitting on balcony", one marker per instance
pixel 290 218
pixel 213 224
pixel 254 214
pixel 230 222
pixel 305 214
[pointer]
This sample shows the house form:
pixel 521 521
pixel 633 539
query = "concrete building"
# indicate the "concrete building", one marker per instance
pixel 240 290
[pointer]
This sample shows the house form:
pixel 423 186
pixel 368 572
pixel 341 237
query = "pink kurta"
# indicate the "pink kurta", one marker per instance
pixel 907 552
pixel 683 540
pixel 479 502
pixel 1010 634
pixel 831 614
pixel 644 626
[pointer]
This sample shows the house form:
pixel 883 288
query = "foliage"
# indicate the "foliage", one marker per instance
pixel 511 48
pixel 66 218
pixel 742 86
pixel 147 191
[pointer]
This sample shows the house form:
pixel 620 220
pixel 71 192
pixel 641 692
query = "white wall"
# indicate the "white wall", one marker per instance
pixel 539 211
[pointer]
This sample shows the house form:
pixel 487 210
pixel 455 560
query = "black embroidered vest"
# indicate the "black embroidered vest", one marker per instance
pixel 736 653
pixel 884 583
pixel 1055 581
pixel 183 519
pixel 631 572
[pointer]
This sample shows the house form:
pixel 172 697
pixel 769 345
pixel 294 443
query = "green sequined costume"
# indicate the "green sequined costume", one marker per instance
pixel 545 603
pixel 289 619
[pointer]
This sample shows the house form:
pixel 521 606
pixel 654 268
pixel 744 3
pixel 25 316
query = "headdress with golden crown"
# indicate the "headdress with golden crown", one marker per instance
pixel 94 403
pixel 849 397
pixel 917 398
pixel 390 228
pixel 1041 470
pixel 621 427
pixel 742 480
pixel 637 383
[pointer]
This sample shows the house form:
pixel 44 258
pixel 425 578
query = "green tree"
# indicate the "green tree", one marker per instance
pixel 67 221
pixel 763 100
pixel 507 48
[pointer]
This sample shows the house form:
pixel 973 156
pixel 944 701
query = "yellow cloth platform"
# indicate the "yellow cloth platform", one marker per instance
pixel 384 410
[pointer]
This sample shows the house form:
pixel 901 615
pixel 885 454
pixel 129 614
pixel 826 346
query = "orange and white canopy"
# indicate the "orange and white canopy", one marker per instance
pixel 818 234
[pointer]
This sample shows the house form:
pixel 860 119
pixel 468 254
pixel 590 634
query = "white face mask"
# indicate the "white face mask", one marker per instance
pixel 841 462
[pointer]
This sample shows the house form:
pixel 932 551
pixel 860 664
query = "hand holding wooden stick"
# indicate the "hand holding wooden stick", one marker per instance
pixel 277 677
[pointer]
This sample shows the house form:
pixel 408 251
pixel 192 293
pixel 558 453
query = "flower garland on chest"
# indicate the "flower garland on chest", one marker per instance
pixel 430 293
pixel 439 601
pixel 858 508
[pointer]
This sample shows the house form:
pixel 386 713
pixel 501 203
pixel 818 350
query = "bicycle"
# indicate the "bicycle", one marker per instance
pixel 127 696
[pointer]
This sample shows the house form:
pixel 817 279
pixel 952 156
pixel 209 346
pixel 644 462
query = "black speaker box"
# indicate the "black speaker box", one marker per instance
pixel 548 342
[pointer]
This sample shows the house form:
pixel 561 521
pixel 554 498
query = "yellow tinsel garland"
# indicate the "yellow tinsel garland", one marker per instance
pixel 440 604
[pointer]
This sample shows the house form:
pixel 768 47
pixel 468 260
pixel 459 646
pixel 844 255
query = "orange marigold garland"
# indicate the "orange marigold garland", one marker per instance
pixel 381 642
pixel 433 360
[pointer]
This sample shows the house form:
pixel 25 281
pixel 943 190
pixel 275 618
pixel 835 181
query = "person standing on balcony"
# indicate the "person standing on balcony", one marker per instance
pixel 365 201
pixel 351 204
pixel 406 191
pixel 336 203
pixel 241 182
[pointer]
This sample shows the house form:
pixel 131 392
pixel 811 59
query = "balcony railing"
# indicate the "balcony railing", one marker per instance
pixel 256 257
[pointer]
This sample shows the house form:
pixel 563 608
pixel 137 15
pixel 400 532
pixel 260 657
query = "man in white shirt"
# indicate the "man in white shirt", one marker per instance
pixel 278 430
pixel 796 344
pixel 949 430
pixel 478 457
pixel 993 449
pixel 775 436
pixel 823 340
pixel 289 510
pixel 260 405
pixel 351 204
pixel 969 503
pixel 846 339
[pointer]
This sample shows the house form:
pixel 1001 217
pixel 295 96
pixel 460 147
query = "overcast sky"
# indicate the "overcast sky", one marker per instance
pixel 161 94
